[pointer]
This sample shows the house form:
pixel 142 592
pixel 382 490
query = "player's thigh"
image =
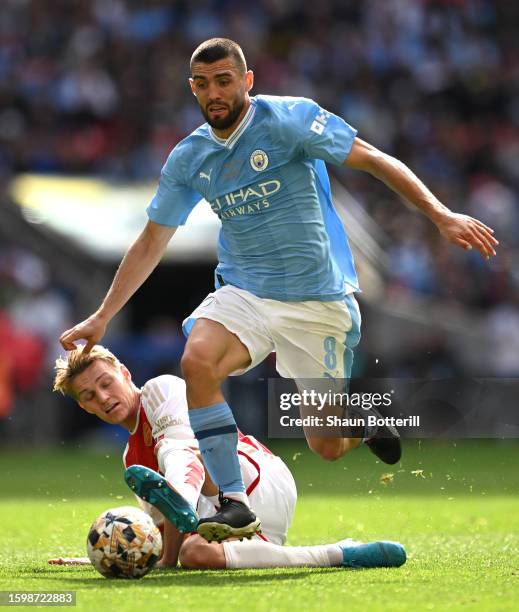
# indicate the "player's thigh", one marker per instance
pixel 212 342
pixel 241 314
pixel 274 499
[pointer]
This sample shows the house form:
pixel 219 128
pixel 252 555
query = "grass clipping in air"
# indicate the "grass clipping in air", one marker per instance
pixel 455 506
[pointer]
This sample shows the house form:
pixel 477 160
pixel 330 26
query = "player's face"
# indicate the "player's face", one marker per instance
pixel 108 392
pixel 222 92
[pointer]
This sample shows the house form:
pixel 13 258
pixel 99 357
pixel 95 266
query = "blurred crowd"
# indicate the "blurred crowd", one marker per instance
pixel 33 310
pixel 100 87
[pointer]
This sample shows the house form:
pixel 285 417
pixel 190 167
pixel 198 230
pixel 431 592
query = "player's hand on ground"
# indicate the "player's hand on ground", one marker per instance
pixel 91 330
pixel 468 233
pixel 164 564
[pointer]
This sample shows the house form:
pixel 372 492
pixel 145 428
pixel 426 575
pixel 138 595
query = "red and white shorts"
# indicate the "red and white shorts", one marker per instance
pixel 271 490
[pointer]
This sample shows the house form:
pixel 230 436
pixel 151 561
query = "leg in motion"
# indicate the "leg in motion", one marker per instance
pixel 211 354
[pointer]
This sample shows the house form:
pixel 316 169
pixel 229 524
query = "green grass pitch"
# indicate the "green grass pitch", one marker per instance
pixel 455 506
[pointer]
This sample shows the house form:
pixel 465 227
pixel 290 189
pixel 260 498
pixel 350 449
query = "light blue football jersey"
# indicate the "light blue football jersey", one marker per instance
pixel 281 237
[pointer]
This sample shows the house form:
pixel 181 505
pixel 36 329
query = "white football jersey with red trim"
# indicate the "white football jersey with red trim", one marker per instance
pixel 164 401
pixel 163 415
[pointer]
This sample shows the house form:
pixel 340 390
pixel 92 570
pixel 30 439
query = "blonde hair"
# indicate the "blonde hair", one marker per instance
pixel 77 362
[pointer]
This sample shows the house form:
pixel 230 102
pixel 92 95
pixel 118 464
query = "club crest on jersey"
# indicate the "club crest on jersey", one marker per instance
pixel 147 435
pixel 259 160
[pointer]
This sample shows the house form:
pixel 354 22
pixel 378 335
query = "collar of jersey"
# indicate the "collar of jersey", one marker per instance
pixel 243 125
pixel 137 421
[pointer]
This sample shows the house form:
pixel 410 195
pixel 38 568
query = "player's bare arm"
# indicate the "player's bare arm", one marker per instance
pixel 139 262
pixel 459 229
pixel 171 543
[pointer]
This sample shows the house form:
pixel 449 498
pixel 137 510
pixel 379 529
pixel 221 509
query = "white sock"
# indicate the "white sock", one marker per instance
pixel 241 497
pixel 214 500
pixel 181 468
pixel 257 553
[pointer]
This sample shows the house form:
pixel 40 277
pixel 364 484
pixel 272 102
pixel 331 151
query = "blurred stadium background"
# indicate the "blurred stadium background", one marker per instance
pixel 93 95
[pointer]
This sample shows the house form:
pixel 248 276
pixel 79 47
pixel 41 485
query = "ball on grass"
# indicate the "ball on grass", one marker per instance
pixel 124 543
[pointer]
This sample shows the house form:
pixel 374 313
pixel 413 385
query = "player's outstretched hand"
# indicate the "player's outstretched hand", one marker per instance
pixel 468 233
pixel 91 330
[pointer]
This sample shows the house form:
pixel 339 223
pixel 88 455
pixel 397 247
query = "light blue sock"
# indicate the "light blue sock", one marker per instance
pixel 217 435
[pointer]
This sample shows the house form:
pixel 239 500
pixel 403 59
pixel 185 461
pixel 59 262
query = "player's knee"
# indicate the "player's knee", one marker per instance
pixel 329 450
pixel 191 557
pixel 196 553
pixel 197 365
pixel 331 453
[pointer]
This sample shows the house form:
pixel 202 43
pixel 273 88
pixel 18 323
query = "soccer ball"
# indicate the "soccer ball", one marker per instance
pixel 124 543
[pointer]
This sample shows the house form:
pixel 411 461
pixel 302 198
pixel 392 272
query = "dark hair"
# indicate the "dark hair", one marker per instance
pixel 216 49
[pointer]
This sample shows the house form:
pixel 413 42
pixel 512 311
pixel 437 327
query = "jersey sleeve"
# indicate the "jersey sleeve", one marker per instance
pixel 308 129
pixel 164 401
pixel 165 404
pixel 174 199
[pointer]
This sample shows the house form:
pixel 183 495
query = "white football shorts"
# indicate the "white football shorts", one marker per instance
pixel 273 499
pixel 311 339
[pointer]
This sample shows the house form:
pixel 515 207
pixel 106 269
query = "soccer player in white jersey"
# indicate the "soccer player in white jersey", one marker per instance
pixel 161 440
pixel 285 278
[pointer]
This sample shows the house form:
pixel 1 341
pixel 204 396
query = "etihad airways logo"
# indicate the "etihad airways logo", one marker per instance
pixel 245 201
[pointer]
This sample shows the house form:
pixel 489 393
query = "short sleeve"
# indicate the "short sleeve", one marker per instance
pixel 318 133
pixel 174 199
pixel 165 404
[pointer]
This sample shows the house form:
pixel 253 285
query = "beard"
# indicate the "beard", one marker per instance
pixel 222 123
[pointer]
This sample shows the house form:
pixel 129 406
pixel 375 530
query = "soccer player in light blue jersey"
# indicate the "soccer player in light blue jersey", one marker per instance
pixel 285 278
